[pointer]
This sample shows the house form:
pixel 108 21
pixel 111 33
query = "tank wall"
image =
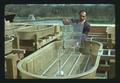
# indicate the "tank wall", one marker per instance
pixel 89 76
pixel 47 31
pixel 8 45
pixel 41 61
pixel 29 32
pixel 91 48
pixel 9 32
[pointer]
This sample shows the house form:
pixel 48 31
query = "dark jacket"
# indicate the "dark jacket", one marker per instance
pixel 86 27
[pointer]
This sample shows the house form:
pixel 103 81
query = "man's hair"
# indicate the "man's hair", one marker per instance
pixel 82 11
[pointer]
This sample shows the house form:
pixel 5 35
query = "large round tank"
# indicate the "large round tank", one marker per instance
pixel 46 64
pixel 29 32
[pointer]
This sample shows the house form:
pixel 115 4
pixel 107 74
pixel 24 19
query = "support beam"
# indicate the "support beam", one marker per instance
pixel 11 63
pixel 20 53
pixel 106 57
pixel 103 68
pixel 11 66
pixel 112 69
pixel 18 42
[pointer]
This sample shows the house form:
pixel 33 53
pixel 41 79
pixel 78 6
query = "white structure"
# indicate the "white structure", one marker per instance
pixel 31 17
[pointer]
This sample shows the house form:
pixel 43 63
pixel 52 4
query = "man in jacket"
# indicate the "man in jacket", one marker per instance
pixel 79 25
pixel 82 20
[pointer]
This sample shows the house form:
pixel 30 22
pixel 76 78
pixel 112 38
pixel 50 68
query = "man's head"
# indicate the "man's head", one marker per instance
pixel 82 15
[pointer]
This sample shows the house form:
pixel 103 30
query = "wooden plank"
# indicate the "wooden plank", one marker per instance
pixel 11 66
pixel 112 69
pixel 26 42
pixel 98 30
pixel 20 53
pixel 103 68
pixel 98 77
pixel 29 66
pixel 107 57
pixel 18 42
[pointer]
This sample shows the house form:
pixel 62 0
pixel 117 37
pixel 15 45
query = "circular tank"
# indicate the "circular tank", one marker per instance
pixel 51 62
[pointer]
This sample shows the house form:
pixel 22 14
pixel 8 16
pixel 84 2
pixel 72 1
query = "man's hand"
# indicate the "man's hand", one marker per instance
pixel 66 21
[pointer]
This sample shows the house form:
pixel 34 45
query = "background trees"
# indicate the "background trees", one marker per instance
pixel 96 12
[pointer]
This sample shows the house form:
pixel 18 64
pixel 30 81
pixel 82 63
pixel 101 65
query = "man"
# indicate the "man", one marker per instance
pixel 86 27
pixel 82 20
pixel 79 25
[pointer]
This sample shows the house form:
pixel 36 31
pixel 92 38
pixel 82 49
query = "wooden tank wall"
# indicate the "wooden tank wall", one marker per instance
pixel 97 29
pixel 29 32
pixel 34 37
pixel 8 28
pixel 9 32
pixel 8 45
pixel 91 48
pixel 39 63
pixel 29 35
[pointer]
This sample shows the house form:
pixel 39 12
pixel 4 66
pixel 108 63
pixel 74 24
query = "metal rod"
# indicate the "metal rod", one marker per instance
pixel 86 64
pixel 50 66
pixel 74 65
pixel 64 63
